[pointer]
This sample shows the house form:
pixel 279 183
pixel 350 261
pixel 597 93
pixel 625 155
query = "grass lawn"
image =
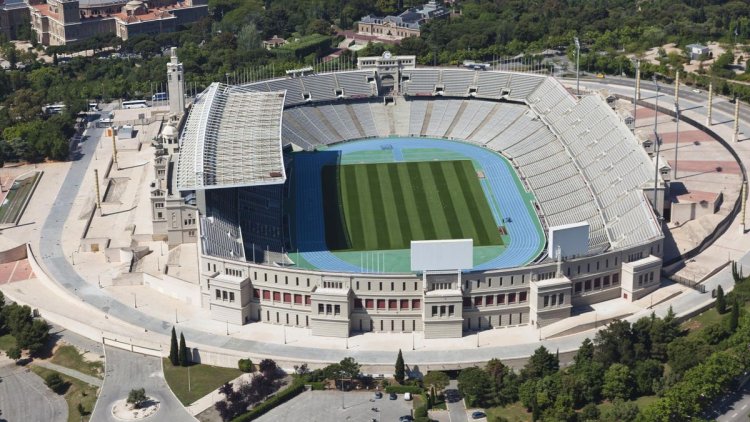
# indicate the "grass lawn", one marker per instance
pixel 69 357
pixel 77 392
pixel 385 206
pixel 707 318
pixel 203 380
pixel 7 342
pixel 514 413
pixel 641 402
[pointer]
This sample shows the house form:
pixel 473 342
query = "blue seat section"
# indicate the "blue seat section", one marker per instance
pixel 526 238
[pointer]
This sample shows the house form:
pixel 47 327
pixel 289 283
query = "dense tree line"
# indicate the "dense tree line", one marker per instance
pixel 30 333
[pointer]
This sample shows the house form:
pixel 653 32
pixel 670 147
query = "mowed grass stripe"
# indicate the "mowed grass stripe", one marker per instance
pixel 401 181
pixel 352 215
pixel 419 191
pixel 433 201
pixel 455 227
pixel 382 220
pixel 486 222
pixel 362 194
pixel 468 217
pixel 398 222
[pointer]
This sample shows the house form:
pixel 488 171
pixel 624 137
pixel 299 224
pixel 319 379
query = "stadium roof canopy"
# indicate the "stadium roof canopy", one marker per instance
pixel 232 138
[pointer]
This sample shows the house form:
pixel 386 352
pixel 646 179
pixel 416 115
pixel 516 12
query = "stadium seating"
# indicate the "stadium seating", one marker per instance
pixel 354 84
pixel 456 82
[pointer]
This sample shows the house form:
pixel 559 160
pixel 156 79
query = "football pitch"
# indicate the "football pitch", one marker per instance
pixel 384 206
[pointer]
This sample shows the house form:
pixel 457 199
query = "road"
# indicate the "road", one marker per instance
pixel 125 371
pixel 455 405
pixel 25 397
pixel 734 407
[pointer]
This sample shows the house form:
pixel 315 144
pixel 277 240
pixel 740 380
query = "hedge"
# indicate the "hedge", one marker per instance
pixel 401 389
pixel 319 385
pixel 285 395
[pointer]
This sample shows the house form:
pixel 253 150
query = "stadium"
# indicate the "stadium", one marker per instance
pixel 313 190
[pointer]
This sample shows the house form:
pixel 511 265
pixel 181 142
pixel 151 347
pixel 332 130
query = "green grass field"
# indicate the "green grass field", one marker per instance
pixel 384 206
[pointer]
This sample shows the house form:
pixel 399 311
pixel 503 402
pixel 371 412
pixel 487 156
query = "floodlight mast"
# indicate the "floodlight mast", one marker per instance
pixel 578 57
pixel 657 149
pixel 677 137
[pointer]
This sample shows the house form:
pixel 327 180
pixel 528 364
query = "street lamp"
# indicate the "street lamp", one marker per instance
pixel 635 91
pixel 657 145
pixel 656 107
pixel 677 137
pixel 578 56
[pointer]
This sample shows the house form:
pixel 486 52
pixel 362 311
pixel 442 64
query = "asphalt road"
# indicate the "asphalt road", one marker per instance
pixel 24 396
pixel 456 408
pixel 125 371
pixel 324 406
pixel 734 407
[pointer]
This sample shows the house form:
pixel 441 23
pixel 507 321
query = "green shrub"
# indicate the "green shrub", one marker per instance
pixel 285 395
pixel 245 365
pixel 55 383
pixel 420 412
pixel 317 385
pixel 401 389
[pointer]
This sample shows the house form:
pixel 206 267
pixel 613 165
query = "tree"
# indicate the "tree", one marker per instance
pixel 268 368
pixel 245 365
pixel 618 382
pixel 137 397
pixel 615 344
pixel 475 385
pixel 590 412
pixel 174 356
pixel 436 379
pixel 734 318
pixel 721 301
pixel 540 364
pixel 14 353
pixel 400 373
pixel 183 352
pixel 349 368
pixel 55 383
pixel 646 374
pixel 620 411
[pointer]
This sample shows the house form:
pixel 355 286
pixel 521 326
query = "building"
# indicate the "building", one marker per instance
pixel 695 51
pixel 60 22
pixel 13 15
pixel 407 24
pixel 274 42
pixel 237 177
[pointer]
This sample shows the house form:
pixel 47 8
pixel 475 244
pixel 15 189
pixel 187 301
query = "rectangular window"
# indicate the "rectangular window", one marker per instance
pixel 256 293
pixel 321 308
pixel 223 295
pixel 562 299
pixel 434 311
pixel 368 286
pixel 578 287
pixel 511 298
pixel 287 298
pixel 328 309
pixel 451 310
pixel 336 309
pixel 357 303
pixel 369 303
pixel 489 300
pixel 597 283
pixel 392 286
pixel 605 281
pixel 442 310
pixel 298 299
pixel 307 300
pixel 546 301
pixel 276 296
pixel 404 303
pixel 587 285
pixel 231 296
pixel 416 303
pixel 381 303
pixel 267 294
pixel 358 285
pixel 553 300
pixel 615 279
pixel 522 297
pixel 392 304
pixel 218 294
pixel 478 301
pixel 500 299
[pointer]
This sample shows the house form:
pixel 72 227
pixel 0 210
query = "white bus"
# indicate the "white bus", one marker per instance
pixel 159 96
pixel 53 108
pixel 134 104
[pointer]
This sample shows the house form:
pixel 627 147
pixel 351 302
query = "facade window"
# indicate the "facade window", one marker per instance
pixel 578 287
pixel 587 285
pixel 231 296
pixel 336 309
pixel 404 304
pixel 522 297
pixel 434 311
pixel 478 301
pixel 321 308
pixel 276 296
pixel 511 298
pixel 266 295
pixel 416 303
pixel 298 299
pixel 223 295
pixel 218 294
pixel 615 279
pixel 451 310
pixel 329 309
pixel 392 304
pixel 381 303
pixel 546 301
pixel 357 303
pixel 256 293
pixel 287 298
pixel 501 299
pixel 369 303
pixel 597 283
pixel 489 300
pixel 553 300
pixel 562 299
pixel 307 300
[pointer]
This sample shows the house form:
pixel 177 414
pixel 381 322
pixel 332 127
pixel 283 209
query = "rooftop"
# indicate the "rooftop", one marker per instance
pixel 232 138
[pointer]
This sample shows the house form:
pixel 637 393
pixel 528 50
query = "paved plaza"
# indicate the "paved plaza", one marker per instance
pixel 325 406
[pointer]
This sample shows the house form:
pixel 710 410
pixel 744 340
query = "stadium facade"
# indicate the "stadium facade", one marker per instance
pixel 575 155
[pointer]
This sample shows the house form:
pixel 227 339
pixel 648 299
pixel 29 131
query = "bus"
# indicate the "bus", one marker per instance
pixel 134 104
pixel 159 96
pixel 53 108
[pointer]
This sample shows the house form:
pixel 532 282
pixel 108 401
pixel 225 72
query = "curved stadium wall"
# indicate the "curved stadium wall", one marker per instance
pixel 577 158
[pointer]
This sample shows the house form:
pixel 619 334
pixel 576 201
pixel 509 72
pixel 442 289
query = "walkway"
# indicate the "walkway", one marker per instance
pixel 70 372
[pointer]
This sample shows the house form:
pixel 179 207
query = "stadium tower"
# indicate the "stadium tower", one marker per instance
pixel 176 84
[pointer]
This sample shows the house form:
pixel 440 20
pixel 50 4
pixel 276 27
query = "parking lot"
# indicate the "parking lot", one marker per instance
pixel 320 406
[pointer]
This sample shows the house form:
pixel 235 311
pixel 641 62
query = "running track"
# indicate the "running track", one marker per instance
pixel 526 237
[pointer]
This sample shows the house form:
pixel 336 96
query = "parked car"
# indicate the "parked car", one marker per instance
pixel 393 396
pixel 407 396
pixel 478 415
pixel 406 418
pixel 378 395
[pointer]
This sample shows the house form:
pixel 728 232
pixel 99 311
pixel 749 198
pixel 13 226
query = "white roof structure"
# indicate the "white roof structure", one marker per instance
pixel 232 138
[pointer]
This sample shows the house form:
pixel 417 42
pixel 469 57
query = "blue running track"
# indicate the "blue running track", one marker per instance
pixel 526 236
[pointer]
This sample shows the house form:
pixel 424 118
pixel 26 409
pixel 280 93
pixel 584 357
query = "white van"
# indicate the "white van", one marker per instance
pixel 407 396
